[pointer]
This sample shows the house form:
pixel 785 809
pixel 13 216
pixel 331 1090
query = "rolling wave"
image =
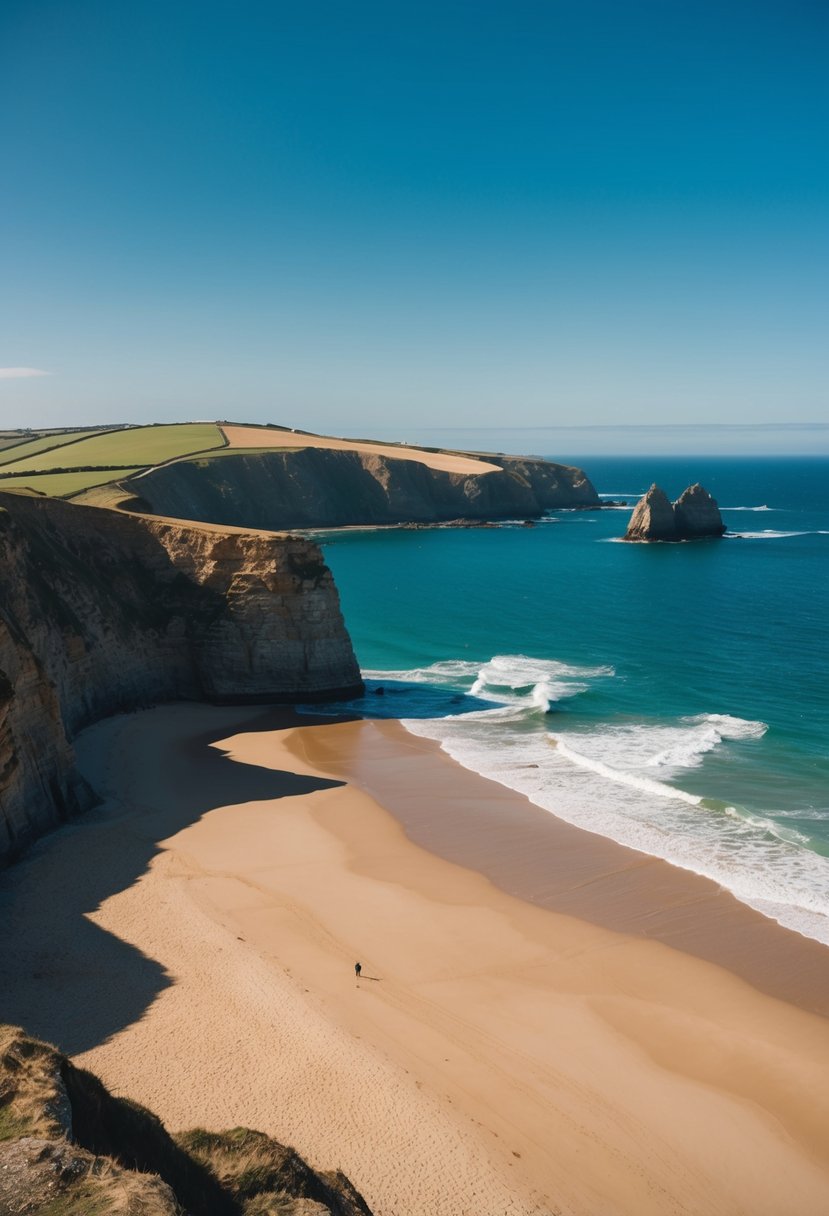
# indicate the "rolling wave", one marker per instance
pixel 514 681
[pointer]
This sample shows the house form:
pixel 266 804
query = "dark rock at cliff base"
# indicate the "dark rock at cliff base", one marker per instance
pixel 697 513
pixel 653 517
pixel 694 514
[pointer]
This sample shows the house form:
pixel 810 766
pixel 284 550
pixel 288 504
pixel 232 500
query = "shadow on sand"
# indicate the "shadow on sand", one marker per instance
pixel 61 976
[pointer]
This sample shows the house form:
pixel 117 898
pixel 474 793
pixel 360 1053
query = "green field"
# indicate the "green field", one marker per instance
pixel 64 485
pixel 135 446
pixel 32 447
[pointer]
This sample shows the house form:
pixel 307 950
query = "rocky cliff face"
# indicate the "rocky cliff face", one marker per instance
pixel 319 488
pixel 101 611
pixel 694 514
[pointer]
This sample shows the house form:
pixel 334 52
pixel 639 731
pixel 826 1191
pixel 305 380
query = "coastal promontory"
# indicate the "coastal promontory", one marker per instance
pixel 275 477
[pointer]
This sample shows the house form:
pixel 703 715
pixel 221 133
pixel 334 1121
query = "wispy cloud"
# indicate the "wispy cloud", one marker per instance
pixel 20 373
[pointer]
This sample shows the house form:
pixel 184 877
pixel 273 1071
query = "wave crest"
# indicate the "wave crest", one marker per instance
pixel 517 681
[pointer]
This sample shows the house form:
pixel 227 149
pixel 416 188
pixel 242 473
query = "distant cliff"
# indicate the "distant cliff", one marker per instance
pixel 695 514
pixel 318 488
pixel 101 611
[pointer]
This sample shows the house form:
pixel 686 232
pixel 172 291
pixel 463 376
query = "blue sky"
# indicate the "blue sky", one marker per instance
pixel 376 217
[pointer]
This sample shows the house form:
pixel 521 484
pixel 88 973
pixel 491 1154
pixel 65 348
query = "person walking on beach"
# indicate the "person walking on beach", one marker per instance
pixel 357 969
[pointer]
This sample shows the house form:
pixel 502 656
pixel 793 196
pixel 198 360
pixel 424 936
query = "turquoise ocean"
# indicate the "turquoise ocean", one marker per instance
pixel 672 697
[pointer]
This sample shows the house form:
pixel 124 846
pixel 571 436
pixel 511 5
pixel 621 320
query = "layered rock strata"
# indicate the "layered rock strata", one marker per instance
pixel 322 488
pixel 695 514
pixel 102 611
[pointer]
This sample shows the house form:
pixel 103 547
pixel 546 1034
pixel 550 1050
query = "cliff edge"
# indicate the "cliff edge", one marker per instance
pixel 102 611
pixel 316 487
pixel 68 1146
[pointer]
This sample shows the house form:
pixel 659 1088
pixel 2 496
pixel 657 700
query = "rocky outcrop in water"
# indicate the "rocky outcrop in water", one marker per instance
pixel 695 514
pixel 68 1146
pixel 652 518
pixel 102 611
pixel 326 488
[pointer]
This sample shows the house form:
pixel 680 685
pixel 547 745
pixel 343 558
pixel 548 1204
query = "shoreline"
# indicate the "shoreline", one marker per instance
pixel 586 1050
pixel 530 853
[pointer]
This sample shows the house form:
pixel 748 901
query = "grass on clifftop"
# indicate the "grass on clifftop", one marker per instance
pixel 134 446
pixel 68 1147
pixel 64 465
pixel 33 447
pixel 64 485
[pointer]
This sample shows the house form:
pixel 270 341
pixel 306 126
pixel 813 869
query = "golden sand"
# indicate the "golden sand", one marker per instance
pixel 617 1046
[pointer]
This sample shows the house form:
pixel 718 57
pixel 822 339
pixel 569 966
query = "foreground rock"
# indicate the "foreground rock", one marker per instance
pixel 68 1146
pixel 102 611
pixel 695 514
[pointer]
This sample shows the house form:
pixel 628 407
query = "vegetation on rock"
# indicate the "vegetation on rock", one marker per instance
pixel 68 1147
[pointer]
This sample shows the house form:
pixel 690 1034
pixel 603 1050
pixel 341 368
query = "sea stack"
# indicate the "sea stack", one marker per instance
pixel 695 514
pixel 653 517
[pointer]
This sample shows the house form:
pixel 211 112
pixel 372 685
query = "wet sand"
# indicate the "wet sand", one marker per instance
pixel 546 1022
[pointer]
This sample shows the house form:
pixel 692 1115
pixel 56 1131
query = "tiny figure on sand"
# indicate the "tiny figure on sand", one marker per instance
pixel 357 969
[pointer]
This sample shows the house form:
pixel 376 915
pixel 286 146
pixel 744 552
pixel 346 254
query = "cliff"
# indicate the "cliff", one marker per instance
pixel 320 488
pixel 102 611
pixel 695 514
pixel 69 1146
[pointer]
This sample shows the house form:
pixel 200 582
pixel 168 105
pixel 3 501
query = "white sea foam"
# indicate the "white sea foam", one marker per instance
pixel 454 672
pixel 761 508
pixel 512 682
pixel 625 781
pixel 766 534
pixel 687 744
pixel 621 777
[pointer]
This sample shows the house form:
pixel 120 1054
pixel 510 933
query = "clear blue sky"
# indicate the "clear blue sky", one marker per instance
pixel 381 216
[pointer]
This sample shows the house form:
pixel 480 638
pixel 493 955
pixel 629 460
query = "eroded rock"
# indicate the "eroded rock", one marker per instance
pixel 695 514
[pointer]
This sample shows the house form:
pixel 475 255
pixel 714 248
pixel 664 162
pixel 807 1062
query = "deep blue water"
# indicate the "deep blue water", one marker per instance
pixel 674 697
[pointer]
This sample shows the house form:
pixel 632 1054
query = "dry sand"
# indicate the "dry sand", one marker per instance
pixel 264 437
pixel 197 946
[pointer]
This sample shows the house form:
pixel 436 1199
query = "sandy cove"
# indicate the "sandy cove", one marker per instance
pixel 498 1056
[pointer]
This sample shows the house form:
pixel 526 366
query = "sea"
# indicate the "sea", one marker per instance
pixel 672 697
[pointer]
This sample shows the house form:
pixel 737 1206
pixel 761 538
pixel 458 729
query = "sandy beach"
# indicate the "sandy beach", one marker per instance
pixel 545 1023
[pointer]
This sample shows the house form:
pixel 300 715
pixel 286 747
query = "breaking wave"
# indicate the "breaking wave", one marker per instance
pixel 512 681
pixel 626 780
